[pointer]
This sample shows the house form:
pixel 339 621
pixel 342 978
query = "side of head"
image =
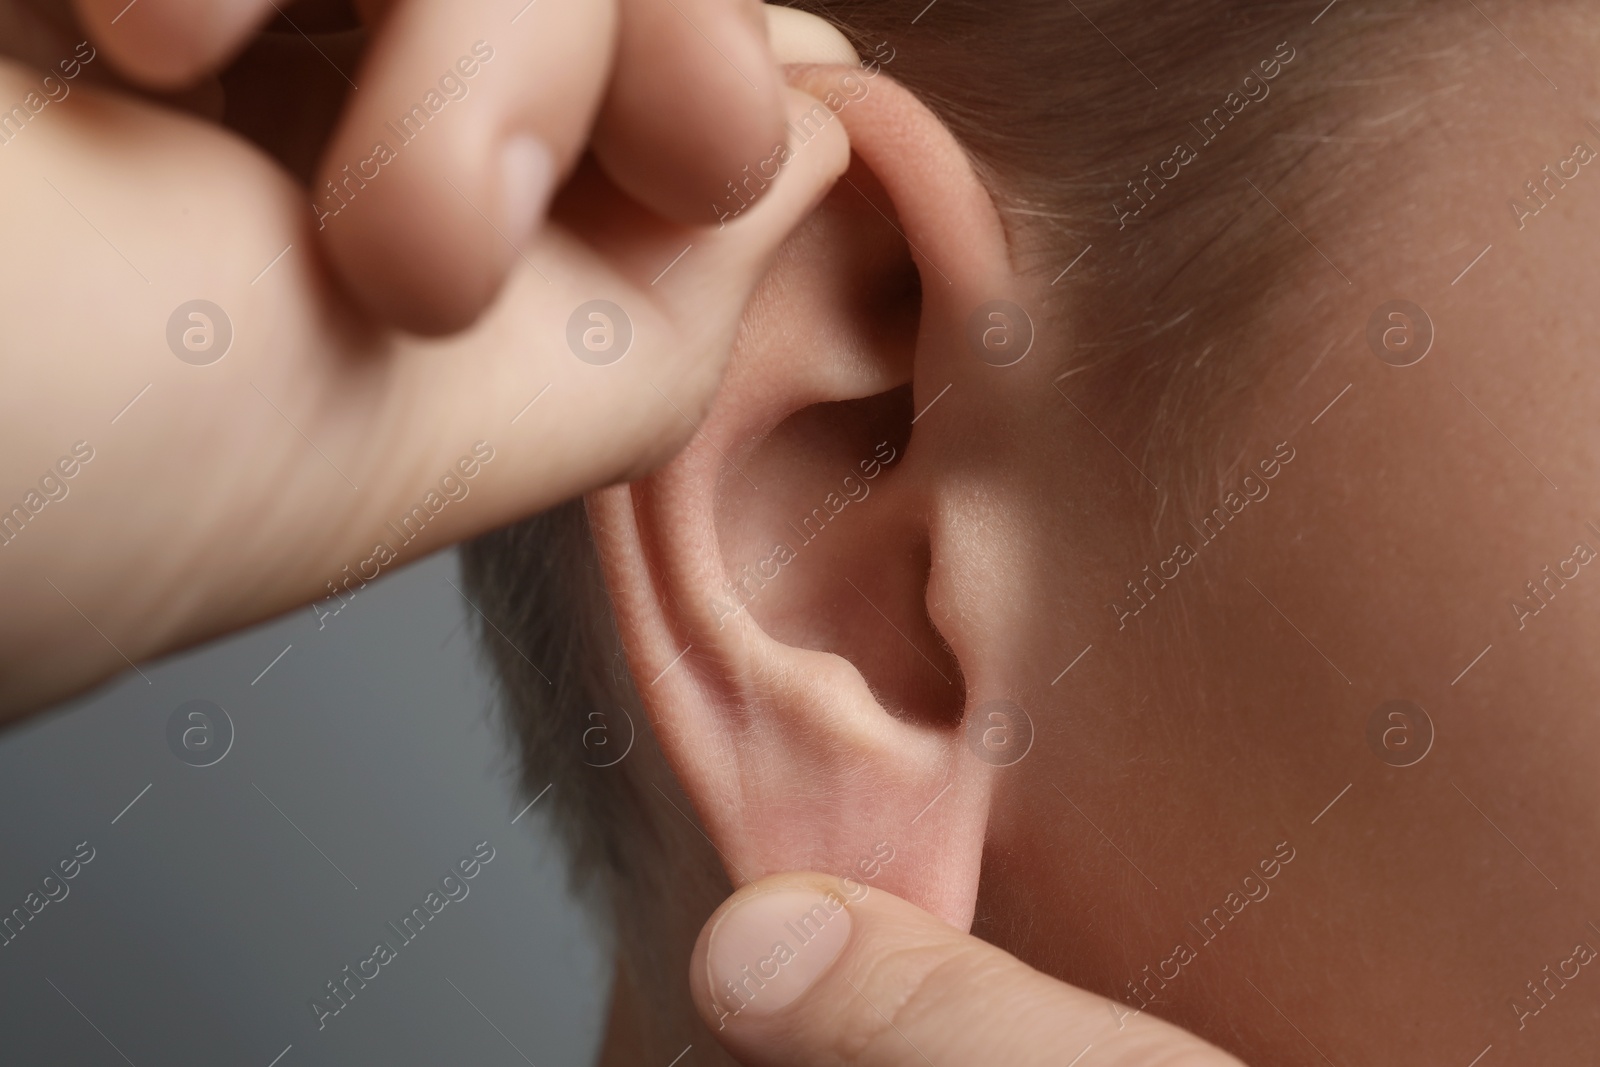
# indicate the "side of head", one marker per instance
pixel 1077 509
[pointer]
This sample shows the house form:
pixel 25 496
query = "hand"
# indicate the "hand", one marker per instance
pixel 832 971
pixel 170 471
pixel 674 96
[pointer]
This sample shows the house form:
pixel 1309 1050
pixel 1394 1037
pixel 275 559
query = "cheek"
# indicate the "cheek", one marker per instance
pixel 1235 707
pixel 1244 705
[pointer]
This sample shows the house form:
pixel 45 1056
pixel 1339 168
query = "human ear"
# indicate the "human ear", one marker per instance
pixel 804 645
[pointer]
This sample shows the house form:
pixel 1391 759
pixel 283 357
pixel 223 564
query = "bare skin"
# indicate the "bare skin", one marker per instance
pixel 1197 745
pixel 266 477
pixel 1209 746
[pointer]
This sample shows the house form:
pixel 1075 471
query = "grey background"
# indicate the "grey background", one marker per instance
pixel 206 922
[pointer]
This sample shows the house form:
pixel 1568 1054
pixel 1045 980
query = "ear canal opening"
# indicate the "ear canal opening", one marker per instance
pixel 832 553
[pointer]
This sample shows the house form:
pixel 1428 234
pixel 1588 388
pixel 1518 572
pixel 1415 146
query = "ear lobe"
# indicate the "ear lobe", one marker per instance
pixel 778 586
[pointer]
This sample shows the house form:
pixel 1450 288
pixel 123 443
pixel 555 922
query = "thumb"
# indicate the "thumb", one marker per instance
pixel 803 969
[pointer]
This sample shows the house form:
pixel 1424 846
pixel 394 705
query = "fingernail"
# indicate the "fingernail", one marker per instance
pixel 770 948
pixel 527 177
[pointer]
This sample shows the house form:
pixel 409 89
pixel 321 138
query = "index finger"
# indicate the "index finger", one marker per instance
pixel 468 115
pixel 696 104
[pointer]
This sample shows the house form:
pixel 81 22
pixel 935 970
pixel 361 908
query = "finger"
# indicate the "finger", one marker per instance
pixel 696 99
pixel 468 113
pixel 170 44
pixel 370 439
pixel 678 296
pixel 805 969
